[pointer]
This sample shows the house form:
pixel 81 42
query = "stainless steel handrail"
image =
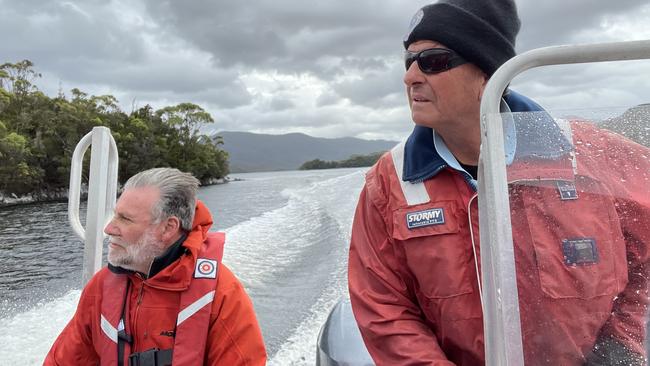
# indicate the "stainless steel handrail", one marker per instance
pixel 503 345
pixel 102 190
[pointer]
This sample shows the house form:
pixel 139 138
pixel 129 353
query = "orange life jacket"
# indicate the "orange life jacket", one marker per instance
pixel 193 317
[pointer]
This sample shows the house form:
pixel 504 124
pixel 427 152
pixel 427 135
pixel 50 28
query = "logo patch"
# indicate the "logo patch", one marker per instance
pixel 205 268
pixel 579 251
pixel 567 190
pixel 417 18
pixel 168 333
pixel 433 216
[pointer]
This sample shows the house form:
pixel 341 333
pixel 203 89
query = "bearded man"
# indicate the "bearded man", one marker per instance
pixel 165 296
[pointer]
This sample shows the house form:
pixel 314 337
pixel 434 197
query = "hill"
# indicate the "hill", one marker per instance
pixel 633 124
pixel 252 152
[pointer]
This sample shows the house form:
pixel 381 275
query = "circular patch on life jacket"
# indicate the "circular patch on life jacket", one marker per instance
pixel 205 268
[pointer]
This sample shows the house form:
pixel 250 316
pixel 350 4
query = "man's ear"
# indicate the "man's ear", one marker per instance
pixel 483 85
pixel 171 228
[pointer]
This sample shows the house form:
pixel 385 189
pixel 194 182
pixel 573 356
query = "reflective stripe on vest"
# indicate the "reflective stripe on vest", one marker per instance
pixel 108 329
pixel 414 193
pixel 113 291
pixel 193 319
pixel 194 307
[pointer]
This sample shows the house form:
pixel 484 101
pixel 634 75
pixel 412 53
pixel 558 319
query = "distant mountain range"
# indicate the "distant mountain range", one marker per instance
pixel 252 152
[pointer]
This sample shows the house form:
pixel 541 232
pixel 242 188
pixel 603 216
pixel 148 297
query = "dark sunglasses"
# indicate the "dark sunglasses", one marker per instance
pixel 433 60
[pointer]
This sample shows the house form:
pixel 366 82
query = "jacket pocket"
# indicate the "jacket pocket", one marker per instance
pixel 437 256
pixel 578 244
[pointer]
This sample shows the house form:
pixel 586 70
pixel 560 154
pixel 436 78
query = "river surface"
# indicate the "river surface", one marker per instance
pixel 287 241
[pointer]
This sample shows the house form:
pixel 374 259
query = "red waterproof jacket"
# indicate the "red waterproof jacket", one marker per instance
pixel 582 263
pixel 233 333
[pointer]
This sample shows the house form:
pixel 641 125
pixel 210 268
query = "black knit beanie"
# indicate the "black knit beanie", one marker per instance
pixel 482 31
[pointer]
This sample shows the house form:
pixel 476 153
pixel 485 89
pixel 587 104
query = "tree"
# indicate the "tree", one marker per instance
pixel 191 151
pixel 142 141
pixel 16 173
pixel 187 117
pixel 17 78
pixel 38 134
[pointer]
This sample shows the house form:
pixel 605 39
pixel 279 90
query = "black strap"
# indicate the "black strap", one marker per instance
pixel 122 337
pixel 151 357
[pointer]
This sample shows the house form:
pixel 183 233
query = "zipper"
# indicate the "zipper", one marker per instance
pixel 471 234
pixel 470 181
pixel 433 173
pixel 135 314
pixel 140 293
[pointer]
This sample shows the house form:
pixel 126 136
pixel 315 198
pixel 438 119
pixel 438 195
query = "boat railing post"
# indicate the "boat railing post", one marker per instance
pixel 501 319
pixel 102 189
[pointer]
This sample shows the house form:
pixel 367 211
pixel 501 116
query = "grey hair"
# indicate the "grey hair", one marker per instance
pixel 177 193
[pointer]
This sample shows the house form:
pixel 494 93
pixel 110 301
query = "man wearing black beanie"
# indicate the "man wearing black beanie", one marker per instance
pixel 414 265
pixel 483 32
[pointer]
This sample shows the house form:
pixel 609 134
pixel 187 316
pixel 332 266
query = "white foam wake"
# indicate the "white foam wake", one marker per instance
pixel 27 337
pixel 337 196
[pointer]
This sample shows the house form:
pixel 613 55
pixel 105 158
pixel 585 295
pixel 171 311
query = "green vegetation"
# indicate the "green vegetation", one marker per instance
pixel 38 134
pixel 353 161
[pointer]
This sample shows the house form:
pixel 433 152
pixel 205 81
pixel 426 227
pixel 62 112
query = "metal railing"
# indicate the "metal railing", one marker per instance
pixel 503 344
pixel 102 190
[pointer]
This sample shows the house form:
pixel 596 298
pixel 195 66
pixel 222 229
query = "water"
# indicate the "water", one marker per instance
pixel 41 258
pixel 287 237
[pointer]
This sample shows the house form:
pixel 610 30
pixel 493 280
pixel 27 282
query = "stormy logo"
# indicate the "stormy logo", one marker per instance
pixel 434 216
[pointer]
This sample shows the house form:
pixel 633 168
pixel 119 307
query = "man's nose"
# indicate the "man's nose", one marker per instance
pixel 413 75
pixel 110 228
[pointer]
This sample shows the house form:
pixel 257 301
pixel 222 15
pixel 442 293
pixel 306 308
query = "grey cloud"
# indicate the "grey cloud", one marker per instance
pixel 216 98
pixel 330 121
pixel 373 88
pixel 162 80
pixel 587 86
pixel 172 77
pixel 549 23
pixel 225 97
pixel 167 52
pixel 280 104
pixel 327 98
pixel 95 44
pixel 371 63
pixel 291 36
pixel 67 31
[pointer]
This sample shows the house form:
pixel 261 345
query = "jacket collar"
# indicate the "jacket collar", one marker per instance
pixel 425 153
pixel 176 273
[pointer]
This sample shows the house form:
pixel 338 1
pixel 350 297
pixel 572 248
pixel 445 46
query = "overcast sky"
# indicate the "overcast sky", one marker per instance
pixel 326 68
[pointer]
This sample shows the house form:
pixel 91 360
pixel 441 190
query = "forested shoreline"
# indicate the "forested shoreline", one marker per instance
pixel 354 161
pixel 38 135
